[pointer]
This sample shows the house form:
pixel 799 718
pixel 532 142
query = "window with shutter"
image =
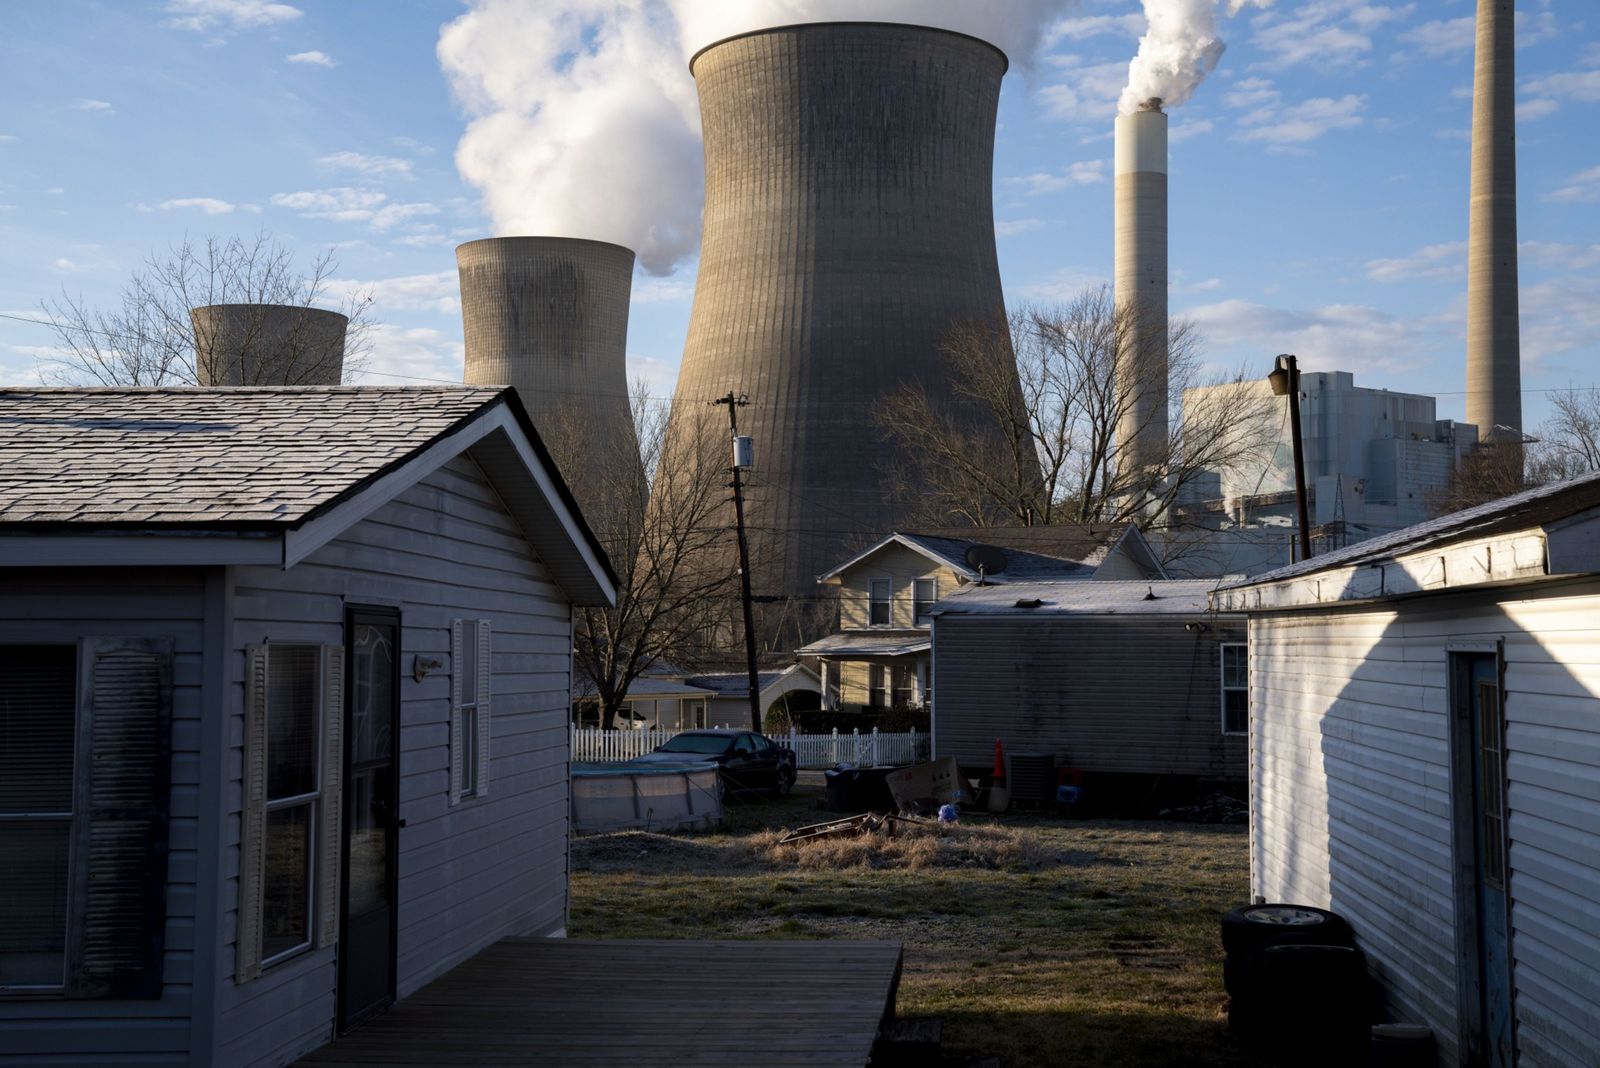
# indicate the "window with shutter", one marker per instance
pixel 470 672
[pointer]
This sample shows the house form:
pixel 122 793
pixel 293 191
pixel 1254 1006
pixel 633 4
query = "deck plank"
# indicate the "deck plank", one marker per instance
pixel 578 1002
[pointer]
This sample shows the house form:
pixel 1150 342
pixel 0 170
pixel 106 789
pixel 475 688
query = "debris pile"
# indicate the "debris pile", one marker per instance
pixel 1218 808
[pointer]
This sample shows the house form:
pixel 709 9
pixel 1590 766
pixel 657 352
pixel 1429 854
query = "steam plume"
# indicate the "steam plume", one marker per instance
pixel 1179 49
pixel 584 120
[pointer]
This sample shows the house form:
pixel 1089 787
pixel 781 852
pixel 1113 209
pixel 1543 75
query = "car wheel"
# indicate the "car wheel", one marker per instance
pixel 1245 929
pixel 786 777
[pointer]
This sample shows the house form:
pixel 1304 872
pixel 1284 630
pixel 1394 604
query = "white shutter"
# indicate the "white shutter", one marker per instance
pixel 484 671
pixel 332 792
pixel 456 668
pixel 252 829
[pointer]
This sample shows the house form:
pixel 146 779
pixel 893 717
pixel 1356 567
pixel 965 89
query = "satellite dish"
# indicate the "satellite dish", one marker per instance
pixel 987 559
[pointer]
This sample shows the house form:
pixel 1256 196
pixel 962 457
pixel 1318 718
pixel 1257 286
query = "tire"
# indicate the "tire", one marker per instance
pixel 1314 1003
pixel 1246 929
pixel 786 779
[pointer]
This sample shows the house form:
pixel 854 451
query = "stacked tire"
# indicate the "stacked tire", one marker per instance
pixel 1298 990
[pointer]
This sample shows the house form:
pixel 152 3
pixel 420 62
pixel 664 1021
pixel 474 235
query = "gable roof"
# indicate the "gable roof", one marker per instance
pixel 1059 552
pixel 737 683
pixel 263 475
pixel 1169 597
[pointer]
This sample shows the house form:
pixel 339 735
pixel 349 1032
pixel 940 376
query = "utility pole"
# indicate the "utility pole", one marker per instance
pixel 734 403
pixel 1285 379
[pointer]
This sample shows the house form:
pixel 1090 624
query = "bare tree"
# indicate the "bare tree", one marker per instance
pixel 667 594
pixel 1058 461
pixel 1568 443
pixel 149 337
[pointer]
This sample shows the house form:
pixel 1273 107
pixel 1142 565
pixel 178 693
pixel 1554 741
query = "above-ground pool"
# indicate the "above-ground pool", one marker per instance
pixel 656 797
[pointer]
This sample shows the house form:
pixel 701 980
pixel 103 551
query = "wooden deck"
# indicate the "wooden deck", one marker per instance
pixel 556 1001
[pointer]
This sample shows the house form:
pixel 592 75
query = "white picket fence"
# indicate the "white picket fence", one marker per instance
pixel 593 745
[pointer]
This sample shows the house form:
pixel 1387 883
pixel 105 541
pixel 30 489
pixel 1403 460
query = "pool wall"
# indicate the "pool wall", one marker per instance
pixel 617 797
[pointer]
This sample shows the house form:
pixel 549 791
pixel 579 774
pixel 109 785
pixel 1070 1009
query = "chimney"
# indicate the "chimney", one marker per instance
pixel 1141 283
pixel 1494 358
pixel 549 316
pixel 267 345
pixel 849 225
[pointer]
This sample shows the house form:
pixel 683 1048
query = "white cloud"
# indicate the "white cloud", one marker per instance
pixel 392 215
pixel 1322 33
pixel 659 376
pixel 312 59
pixel 652 290
pixel 7 138
pixel 1580 188
pixel 1532 110
pixel 1062 285
pixel 1558 256
pixel 1085 172
pixel 1252 93
pixel 205 205
pixel 413 354
pixel 440 292
pixel 83 259
pixel 1295 124
pixel 1184 130
pixel 411 144
pixel 370 166
pixel 1446 260
pixel 207 16
pixel 94 107
pixel 1345 337
pixel 1083 93
pixel 1575 85
pixel 1083 27
pixel 1010 227
pixel 1559 316
pixel 1443 37
pixel 345 204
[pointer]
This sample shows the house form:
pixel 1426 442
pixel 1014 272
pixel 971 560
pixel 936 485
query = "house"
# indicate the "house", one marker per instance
pixel 1128 678
pixel 283 727
pixel 1425 761
pixel 654 702
pixel 879 658
pixel 795 687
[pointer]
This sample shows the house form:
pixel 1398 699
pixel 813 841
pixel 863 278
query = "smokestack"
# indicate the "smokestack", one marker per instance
pixel 1141 283
pixel 267 345
pixel 849 223
pixel 1494 358
pixel 549 316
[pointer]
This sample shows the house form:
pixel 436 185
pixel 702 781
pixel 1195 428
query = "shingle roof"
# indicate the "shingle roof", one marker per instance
pixel 1021 564
pixel 231 458
pixel 1121 598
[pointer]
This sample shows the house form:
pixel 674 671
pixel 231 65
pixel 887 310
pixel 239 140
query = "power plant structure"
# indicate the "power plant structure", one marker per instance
pixel 849 224
pixel 1140 263
pixel 1494 355
pixel 267 345
pixel 549 316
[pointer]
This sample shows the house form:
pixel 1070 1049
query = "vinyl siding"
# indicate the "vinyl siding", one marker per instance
pixel 1104 693
pixel 469 874
pixel 1351 796
pixel 901 566
pixel 49 605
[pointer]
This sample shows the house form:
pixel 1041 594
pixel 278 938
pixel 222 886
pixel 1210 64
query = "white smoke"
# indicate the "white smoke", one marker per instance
pixel 583 116
pixel 1180 47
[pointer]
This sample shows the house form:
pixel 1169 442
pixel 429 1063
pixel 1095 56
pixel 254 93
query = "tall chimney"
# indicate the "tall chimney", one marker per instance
pixel 849 224
pixel 1141 285
pixel 1494 358
pixel 549 316
pixel 267 345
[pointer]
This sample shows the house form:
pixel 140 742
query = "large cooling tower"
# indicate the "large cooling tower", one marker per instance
pixel 848 224
pixel 1494 359
pixel 267 345
pixel 1140 234
pixel 549 315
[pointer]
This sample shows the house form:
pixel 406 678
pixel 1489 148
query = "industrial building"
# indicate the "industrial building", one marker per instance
pixel 267 345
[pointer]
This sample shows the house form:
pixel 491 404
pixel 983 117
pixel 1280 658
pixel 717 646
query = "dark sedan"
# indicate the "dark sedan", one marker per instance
pixel 748 761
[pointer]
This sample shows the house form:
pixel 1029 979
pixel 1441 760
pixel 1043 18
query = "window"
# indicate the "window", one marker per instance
pixel 924 593
pixel 875 694
pixel 830 684
pixel 289 840
pixel 904 678
pixel 469 709
pixel 879 606
pixel 1235 689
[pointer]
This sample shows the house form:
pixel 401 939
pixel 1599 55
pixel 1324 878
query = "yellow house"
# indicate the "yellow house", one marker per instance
pixel 880 657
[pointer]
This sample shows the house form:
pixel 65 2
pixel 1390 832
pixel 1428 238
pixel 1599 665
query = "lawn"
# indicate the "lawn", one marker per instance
pixel 1038 940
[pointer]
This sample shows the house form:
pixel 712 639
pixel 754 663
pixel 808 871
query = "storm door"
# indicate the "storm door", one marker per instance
pixel 371 815
pixel 1482 868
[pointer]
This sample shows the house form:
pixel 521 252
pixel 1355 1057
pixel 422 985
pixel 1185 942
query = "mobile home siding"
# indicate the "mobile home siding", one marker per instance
pixel 1351 795
pixel 48 605
pixel 471 873
pixel 1105 693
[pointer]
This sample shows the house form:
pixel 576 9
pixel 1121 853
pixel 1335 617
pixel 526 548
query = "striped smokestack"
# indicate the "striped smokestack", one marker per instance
pixel 267 345
pixel 1494 357
pixel 1141 285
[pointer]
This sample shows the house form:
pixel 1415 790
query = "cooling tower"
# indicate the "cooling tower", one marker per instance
pixel 848 224
pixel 1140 230
pixel 267 345
pixel 549 316
pixel 1494 359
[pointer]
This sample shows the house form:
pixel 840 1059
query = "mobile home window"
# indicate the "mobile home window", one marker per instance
pixel 1235 689
pixel 924 593
pixel 292 800
pixel 38 716
pixel 880 602
pixel 875 687
pixel 469 714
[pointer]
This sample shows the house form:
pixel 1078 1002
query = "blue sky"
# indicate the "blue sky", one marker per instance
pixel 1319 176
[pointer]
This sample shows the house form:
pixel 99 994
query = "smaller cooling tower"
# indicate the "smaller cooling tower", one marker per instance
pixel 267 345
pixel 1141 284
pixel 549 316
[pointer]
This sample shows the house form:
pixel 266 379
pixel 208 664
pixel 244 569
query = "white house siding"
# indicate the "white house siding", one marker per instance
pixel 1351 795
pixel 469 874
pixel 47 605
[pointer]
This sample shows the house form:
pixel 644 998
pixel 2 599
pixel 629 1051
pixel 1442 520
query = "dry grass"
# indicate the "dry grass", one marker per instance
pixel 1043 942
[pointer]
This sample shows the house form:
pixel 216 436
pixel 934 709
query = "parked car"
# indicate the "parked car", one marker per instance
pixel 748 761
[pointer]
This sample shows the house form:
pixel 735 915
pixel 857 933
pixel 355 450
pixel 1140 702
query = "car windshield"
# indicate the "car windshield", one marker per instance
pixel 697 743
